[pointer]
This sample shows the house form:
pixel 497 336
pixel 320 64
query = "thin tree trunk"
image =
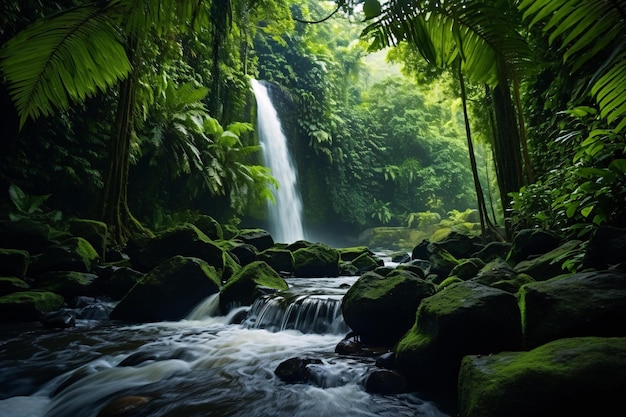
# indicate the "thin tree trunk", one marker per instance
pixel 485 222
pixel 506 144
pixel 528 167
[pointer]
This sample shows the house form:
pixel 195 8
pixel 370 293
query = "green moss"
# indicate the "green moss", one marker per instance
pixel 448 282
pixel 260 273
pixel 42 300
pixel 545 381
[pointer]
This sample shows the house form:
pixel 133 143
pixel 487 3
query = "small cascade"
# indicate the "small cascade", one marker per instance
pixel 286 214
pixel 320 314
pixel 207 308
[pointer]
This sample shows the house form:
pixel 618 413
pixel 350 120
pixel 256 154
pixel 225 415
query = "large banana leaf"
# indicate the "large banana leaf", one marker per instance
pixel 477 32
pixel 586 28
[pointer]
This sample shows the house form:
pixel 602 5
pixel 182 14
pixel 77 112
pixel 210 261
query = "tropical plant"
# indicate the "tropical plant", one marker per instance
pixel 589 31
pixel 30 206
pixel 381 211
pixel 480 40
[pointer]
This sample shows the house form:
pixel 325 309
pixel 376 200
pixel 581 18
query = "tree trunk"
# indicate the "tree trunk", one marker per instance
pixel 114 205
pixel 485 223
pixel 506 144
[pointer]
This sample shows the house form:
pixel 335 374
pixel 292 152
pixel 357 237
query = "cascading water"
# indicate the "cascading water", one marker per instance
pixel 286 213
pixel 202 366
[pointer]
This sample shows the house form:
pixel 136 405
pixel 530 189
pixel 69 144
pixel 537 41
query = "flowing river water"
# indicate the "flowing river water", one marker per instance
pixel 201 366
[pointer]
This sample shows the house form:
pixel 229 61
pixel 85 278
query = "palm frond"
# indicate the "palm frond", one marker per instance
pixel 62 59
pixel 477 32
pixel 587 28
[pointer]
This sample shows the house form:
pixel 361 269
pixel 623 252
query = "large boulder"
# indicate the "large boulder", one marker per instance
pixel 583 304
pixel 463 319
pixel 351 253
pixel 530 242
pixel 366 262
pixel 169 292
pixel 29 235
pixel 92 231
pixel 69 284
pixel 116 281
pixel 568 377
pixel 184 240
pixel 252 281
pixel 28 305
pixel 209 226
pixel 73 254
pixel 281 260
pixel 9 285
pixel 549 264
pixel 317 260
pixel 381 309
pixel 458 245
pixel 607 248
pixel 14 262
pixel 259 238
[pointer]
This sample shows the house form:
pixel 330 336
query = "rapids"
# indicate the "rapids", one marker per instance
pixel 201 366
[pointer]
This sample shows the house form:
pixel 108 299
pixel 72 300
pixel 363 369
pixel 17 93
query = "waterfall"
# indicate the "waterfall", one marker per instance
pixel 286 214
pixel 307 313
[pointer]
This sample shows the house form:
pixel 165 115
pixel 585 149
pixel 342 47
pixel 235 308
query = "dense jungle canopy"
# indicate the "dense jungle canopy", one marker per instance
pixel 404 112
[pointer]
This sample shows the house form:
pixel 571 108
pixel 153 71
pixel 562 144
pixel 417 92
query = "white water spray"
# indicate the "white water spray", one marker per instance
pixel 286 214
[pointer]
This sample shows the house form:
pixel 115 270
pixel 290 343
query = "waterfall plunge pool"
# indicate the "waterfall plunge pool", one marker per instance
pixel 202 366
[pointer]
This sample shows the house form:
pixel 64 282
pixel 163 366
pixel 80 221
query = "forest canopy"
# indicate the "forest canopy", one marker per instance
pixel 140 113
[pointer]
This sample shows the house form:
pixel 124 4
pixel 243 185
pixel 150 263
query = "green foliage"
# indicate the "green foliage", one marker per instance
pixel 479 33
pixel 422 219
pixel 381 211
pixel 586 30
pixel 575 199
pixel 30 206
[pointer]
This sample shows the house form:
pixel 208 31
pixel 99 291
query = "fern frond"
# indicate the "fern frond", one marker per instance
pixel 63 59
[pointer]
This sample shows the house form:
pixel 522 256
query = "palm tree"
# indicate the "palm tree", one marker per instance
pixel 479 39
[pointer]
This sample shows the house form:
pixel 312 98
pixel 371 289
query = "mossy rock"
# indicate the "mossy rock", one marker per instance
pixel 209 226
pixel 381 309
pixel 245 253
pixel 9 285
pixel 169 292
pixel 73 254
pixel 28 305
pixel 69 284
pixel 467 268
pixel 442 262
pixel 567 377
pixel 317 260
pixel 95 232
pixel 184 240
pixel 583 304
pixel 514 284
pixel 259 238
pixel 531 242
pixel 281 260
pixel 14 262
pixel 351 253
pixel 451 280
pixel 549 264
pixel 248 284
pixel 366 262
pixel 463 319
pixel 29 235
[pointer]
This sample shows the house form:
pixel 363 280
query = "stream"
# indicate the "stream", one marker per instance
pixel 201 366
